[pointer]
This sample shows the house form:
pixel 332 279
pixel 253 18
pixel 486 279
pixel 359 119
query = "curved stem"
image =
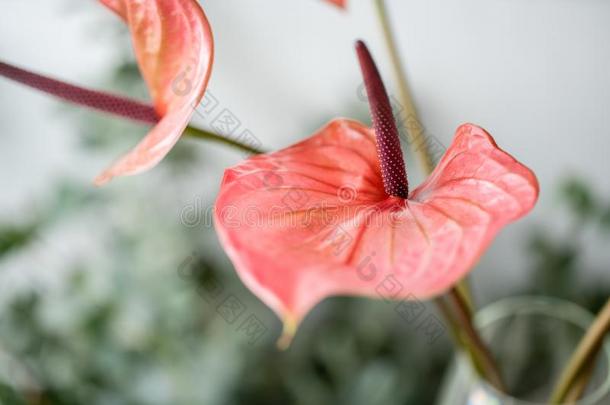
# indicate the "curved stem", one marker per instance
pixel 211 136
pixel 415 129
pixel 458 335
pixel 412 123
pixel 585 353
pixel 124 107
pixel 474 344
pixel 463 288
pixel 580 384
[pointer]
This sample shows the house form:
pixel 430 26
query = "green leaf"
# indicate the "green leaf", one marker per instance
pixel 579 197
pixel 9 396
pixel 13 237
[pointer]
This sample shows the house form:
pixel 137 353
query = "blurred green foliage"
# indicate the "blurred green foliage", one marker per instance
pixel 13 237
pixel 558 265
pixel 151 339
pixel 175 343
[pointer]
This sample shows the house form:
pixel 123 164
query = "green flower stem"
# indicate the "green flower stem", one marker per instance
pixel 583 356
pixel 466 336
pixel 473 343
pixel 580 384
pixel 211 136
pixel 463 288
pixel 477 355
pixel 117 105
pixel 457 334
pixel 416 130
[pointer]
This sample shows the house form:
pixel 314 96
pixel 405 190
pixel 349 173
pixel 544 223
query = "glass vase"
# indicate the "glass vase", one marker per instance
pixel 531 339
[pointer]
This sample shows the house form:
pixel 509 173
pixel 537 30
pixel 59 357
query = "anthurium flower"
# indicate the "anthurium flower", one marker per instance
pixel 338 3
pixel 333 214
pixel 174 49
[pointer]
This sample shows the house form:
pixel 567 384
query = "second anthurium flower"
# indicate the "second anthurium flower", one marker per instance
pixel 338 3
pixel 174 48
pixel 334 215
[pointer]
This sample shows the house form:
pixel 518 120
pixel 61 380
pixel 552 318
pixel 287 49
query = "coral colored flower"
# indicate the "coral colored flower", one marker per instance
pixel 174 49
pixel 338 3
pixel 332 215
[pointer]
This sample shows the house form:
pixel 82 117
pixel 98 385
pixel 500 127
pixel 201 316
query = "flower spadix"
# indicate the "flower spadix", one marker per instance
pixel 333 214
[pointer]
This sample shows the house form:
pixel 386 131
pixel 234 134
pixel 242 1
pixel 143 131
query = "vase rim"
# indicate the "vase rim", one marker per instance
pixel 552 307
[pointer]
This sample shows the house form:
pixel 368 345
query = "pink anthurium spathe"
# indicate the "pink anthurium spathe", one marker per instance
pixel 174 48
pixel 333 214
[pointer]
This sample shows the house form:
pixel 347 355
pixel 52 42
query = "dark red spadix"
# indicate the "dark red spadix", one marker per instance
pixel 388 144
pixel 99 100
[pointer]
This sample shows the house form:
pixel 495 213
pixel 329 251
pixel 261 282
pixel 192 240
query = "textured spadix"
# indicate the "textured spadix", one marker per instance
pixel 391 161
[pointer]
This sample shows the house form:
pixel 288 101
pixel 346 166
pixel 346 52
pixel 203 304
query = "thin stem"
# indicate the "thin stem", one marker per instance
pixel 413 124
pixel 459 338
pixel 395 184
pixel 585 353
pixel 123 107
pixel 454 328
pixel 211 136
pixel 474 343
pixel 414 127
pixel 463 288
pixel 580 384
